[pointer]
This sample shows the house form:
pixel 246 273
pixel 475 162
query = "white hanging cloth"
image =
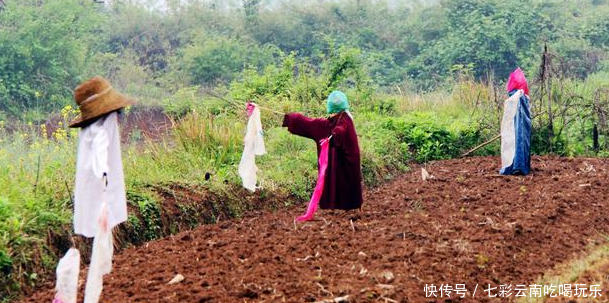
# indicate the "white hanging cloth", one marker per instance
pixel 253 146
pixel 99 153
pixel 67 271
pixel 101 258
pixel 508 129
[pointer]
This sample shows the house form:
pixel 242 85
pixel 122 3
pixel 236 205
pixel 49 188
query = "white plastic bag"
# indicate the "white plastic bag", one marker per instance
pixel 101 258
pixel 508 129
pixel 253 146
pixel 67 271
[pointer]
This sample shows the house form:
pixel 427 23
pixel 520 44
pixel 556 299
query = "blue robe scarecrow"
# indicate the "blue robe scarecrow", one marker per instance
pixel 516 135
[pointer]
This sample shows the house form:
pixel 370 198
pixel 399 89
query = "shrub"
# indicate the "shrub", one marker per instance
pixel 430 139
pixel 43 48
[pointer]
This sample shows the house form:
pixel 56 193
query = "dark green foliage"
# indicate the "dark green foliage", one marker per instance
pixel 6 274
pixel 217 59
pixel 541 143
pixel 598 32
pixel 148 223
pixel 252 12
pixel 386 106
pixel 494 36
pixel 428 138
pixel 297 80
pixel 47 47
pixel 43 48
pixel 6 264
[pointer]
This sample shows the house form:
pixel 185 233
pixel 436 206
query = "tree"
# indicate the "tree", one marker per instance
pixel 252 12
pixel 43 51
pixel 495 36
pixel 211 60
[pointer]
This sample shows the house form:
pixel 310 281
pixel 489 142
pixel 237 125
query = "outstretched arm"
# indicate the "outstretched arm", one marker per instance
pixel 315 129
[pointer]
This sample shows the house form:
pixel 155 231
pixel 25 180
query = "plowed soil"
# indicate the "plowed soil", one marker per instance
pixel 465 225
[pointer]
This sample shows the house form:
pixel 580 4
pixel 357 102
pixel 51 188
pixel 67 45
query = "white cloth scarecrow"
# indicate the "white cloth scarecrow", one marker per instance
pixel 99 176
pixel 253 146
pixel 100 201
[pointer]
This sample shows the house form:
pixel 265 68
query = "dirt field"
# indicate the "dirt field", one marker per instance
pixel 467 225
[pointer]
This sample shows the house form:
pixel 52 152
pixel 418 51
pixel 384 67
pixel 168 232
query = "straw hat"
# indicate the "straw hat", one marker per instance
pixel 95 98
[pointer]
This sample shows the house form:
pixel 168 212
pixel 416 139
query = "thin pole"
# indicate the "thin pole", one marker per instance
pixel 238 104
pixel 492 140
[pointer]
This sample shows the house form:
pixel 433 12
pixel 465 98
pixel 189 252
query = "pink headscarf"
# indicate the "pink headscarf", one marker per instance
pixel 517 81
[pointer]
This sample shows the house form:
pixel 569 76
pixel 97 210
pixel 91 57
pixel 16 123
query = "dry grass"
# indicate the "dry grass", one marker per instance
pixel 572 272
pixel 218 135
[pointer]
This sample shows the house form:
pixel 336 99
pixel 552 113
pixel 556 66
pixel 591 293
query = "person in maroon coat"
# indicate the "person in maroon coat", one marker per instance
pixel 343 183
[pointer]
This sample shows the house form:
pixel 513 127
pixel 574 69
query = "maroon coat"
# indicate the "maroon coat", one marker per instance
pixel 343 184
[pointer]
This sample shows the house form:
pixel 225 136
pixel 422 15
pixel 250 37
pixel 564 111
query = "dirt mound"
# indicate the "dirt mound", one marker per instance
pixel 466 225
pixel 145 123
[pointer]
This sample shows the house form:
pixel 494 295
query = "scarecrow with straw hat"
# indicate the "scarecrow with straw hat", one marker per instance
pixel 100 201
pixel 99 168
pixel 342 184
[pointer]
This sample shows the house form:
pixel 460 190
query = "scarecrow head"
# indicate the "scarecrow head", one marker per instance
pixel 96 98
pixel 337 102
pixel 517 81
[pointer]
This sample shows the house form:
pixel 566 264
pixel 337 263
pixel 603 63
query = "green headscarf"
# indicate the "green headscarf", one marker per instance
pixel 337 102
